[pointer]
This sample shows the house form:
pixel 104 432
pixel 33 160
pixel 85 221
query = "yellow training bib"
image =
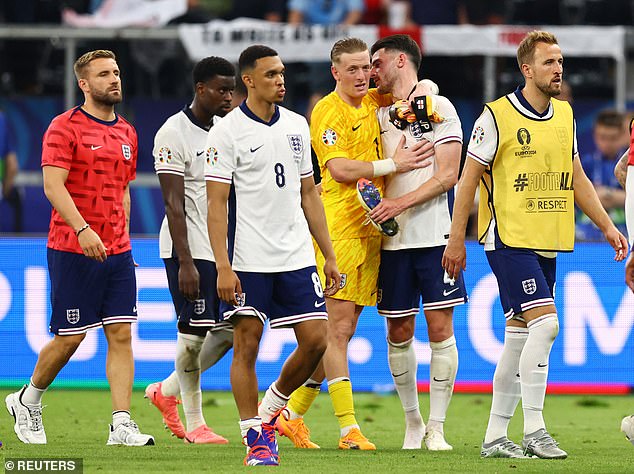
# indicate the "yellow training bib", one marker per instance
pixel 528 187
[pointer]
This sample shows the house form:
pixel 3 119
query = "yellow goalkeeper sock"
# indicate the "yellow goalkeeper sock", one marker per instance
pixel 342 402
pixel 301 400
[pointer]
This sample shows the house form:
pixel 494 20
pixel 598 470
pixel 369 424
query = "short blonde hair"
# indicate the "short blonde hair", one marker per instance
pixel 347 45
pixel 526 49
pixel 84 60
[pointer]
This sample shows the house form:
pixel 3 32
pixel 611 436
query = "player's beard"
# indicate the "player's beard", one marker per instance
pixel 387 84
pixel 107 98
pixel 549 89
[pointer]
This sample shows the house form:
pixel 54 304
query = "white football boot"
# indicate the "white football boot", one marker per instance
pixel 435 441
pixel 627 427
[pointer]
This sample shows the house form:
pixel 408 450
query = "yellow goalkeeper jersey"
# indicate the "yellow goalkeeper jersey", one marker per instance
pixel 339 130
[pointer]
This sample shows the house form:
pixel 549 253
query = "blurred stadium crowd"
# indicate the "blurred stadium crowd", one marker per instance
pixel 33 67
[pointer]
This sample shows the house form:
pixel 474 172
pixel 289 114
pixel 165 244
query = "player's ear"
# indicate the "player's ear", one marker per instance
pixel 334 72
pixel 247 79
pixel 527 70
pixel 83 85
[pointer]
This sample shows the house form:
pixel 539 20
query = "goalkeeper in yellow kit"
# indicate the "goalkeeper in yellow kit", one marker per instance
pixel 345 134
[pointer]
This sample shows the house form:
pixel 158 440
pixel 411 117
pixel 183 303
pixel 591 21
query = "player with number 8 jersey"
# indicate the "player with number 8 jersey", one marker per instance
pixel 266 165
pixel 263 249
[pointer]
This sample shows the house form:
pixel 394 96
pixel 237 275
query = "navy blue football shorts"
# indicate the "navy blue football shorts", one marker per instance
pixel 86 294
pixel 284 298
pixel 409 274
pixel 202 312
pixel 526 280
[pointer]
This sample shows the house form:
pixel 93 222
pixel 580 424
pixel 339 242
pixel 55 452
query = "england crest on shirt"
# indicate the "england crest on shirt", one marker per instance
pixel 127 152
pixel 416 130
pixel 296 143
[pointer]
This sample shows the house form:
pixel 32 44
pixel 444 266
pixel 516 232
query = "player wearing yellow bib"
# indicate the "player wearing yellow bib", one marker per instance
pixel 346 137
pixel 523 151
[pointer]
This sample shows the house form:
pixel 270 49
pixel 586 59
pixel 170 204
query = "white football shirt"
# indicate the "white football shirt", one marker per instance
pixel 484 142
pixel 265 162
pixel 179 148
pixel 427 224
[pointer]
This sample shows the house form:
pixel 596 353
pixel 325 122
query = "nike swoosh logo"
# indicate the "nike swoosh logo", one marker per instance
pixel 354 129
pixel 447 293
pixel 93 147
pixel 542 365
pixel 253 150
pixel 398 375
pixel 198 153
pixel 187 371
pixel 440 380
pixel 319 305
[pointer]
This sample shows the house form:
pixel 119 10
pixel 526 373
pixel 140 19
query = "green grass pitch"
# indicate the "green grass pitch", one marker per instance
pixel 77 422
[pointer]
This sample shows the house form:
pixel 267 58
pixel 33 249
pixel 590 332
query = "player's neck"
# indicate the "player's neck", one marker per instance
pixel 262 109
pixel 348 99
pixel 203 117
pixel 405 86
pixel 538 100
pixel 101 111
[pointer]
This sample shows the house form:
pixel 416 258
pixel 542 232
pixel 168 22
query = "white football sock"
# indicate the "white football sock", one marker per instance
pixel 414 419
pixel 246 425
pixel 32 395
pixel 120 416
pixel 169 386
pixel 192 408
pixel 343 432
pixel 272 402
pixel 506 384
pixel 442 375
pixel 215 346
pixel 534 369
pixel 403 367
pixel 188 371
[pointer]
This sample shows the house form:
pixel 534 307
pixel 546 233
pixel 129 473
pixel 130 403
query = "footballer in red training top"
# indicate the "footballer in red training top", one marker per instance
pixel 101 159
pixel 89 156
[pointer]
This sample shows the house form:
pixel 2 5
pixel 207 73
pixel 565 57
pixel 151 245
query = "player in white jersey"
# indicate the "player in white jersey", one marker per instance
pixel 411 260
pixel 263 151
pixel 179 159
